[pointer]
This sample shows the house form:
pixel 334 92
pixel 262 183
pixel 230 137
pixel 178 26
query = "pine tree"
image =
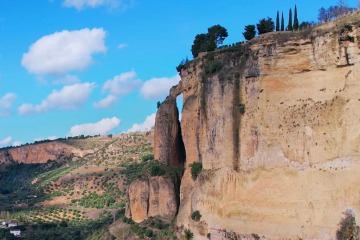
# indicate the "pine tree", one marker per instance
pixel 277 22
pixel 290 26
pixel 296 21
pixel 282 22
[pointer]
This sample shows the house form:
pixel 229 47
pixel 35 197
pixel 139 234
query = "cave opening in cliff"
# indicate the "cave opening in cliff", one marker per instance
pixel 179 105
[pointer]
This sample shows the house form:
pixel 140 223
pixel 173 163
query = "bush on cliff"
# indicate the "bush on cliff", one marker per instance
pixel 196 216
pixel 149 168
pixel 196 169
pixel 147 157
pixel 348 228
pixel 188 234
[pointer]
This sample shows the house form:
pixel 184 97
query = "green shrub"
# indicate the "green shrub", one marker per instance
pixel 188 234
pixel 196 216
pixel 196 169
pixel 157 170
pixel 212 67
pixel 147 157
pixel 149 233
pixel 348 228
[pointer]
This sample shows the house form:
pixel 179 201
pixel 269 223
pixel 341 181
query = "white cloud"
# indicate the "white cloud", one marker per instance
pixel 81 4
pixel 69 98
pixel 106 102
pixel 64 51
pixel 122 45
pixel 17 143
pixel 102 127
pixel 45 138
pixel 145 126
pixel 67 79
pixel 122 84
pixel 158 87
pixel 6 142
pixel 6 103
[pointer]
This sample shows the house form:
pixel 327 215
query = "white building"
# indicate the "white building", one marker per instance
pixel 16 232
pixel 11 224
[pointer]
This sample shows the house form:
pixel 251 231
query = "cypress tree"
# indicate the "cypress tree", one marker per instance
pixel 282 22
pixel 277 22
pixel 290 26
pixel 296 21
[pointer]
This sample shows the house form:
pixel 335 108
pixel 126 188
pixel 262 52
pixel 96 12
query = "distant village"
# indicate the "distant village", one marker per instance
pixel 12 227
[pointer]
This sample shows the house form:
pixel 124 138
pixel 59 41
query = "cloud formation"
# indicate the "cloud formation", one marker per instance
pixel 65 51
pixel 45 138
pixel 122 45
pixel 68 98
pixel 102 127
pixel 122 84
pixel 107 102
pixel 156 88
pixel 6 103
pixel 6 142
pixel 67 79
pixel 145 126
pixel 81 4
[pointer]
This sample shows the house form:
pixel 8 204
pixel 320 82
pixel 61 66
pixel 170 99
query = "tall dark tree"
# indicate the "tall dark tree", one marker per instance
pixel 250 32
pixel 277 21
pixel 216 35
pixel 200 44
pixel 296 21
pixel 282 22
pixel 265 26
pixel 209 41
pixel 290 26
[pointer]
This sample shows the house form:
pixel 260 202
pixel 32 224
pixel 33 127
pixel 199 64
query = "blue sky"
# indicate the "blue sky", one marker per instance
pixel 70 67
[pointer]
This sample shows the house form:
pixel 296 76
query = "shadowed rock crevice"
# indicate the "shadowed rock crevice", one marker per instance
pixel 168 144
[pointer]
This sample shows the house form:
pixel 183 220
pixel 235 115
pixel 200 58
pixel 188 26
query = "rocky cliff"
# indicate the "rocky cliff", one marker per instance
pixel 153 197
pixel 275 124
pixel 40 153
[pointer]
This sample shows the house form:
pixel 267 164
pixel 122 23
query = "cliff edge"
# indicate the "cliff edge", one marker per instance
pixel 275 123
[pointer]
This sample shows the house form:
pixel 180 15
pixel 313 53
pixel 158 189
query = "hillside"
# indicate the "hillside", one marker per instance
pixel 80 183
pixel 274 123
pixel 268 147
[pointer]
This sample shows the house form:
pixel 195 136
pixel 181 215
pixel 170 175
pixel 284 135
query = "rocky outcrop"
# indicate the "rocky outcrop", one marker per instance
pixel 40 153
pixel 168 144
pixel 275 124
pixel 155 197
pixel 139 200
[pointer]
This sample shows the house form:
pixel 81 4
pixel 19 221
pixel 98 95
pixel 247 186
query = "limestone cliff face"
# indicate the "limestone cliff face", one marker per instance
pixel 40 153
pixel 275 123
pixel 168 145
pixel 154 197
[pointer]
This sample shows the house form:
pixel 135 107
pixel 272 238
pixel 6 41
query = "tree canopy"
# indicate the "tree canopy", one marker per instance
pixel 205 42
pixel 200 44
pixel 265 26
pixel 333 12
pixel 250 32
pixel 290 25
pixel 296 20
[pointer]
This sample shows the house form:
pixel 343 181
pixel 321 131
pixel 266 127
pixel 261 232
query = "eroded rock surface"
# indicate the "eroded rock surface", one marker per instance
pixel 168 144
pixel 275 124
pixel 154 197
pixel 40 153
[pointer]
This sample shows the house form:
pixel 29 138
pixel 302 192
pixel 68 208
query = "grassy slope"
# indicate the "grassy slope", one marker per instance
pixel 73 191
